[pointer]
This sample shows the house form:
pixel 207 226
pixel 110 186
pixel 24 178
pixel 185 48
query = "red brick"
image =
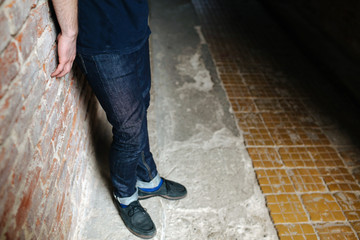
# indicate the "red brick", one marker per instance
pixel 49 182
pixel 41 12
pixel 62 147
pixel 58 132
pixel 37 126
pixel 27 37
pixel 59 208
pixel 51 94
pixel 9 66
pixel 62 175
pixel 39 113
pixel 44 234
pixel 66 217
pixel 46 44
pixel 11 234
pixel 4 30
pixel 76 88
pixel 26 200
pixel 51 202
pixel 37 211
pixel 68 222
pixel 77 181
pixel 21 167
pixel 70 151
pixel 50 65
pixel 45 146
pixel 53 119
pixel 55 233
pixel 8 154
pixel 29 74
pixel 68 140
pixel 51 170
pixel 74 144
pixel 10 106
pixel 56 109
pixel 64 121
pixel 45 119
pixel 26 232
pixel 31 113
pixel 80 169
pixel 6 207
pixel 17 12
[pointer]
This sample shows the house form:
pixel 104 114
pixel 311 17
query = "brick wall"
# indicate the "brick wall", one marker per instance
pixel 46 124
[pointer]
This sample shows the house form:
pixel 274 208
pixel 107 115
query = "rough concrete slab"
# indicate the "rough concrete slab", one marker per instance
pixel 195 141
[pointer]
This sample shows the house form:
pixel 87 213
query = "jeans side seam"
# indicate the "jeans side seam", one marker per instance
pixel 83 63
pixel 146 165
pixel 141 52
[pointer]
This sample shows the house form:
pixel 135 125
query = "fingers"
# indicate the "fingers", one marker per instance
pixel 66 70
pixel 66 53
pixel 62 69
pixel 58 70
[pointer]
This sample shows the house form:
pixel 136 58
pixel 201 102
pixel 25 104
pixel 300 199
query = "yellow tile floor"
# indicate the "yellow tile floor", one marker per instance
pixel 310 179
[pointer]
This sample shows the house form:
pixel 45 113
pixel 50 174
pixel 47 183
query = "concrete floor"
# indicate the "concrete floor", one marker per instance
pixel 194 139
pixel 235 104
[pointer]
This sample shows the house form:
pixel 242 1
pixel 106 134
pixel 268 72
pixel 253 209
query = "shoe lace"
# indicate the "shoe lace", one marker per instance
pixel 167 185
pixel 135 209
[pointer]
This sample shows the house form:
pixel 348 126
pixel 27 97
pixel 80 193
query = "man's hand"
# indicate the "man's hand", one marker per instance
pixel 67 53
pixel 66 13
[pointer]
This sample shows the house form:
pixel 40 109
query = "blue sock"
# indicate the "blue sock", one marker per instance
pixel 123 205
pixel 153 189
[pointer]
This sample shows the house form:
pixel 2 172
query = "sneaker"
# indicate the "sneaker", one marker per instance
pixel 167 189
pixel 136 219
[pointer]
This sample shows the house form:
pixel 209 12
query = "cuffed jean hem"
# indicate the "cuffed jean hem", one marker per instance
pixel 127 200
pixel 149 185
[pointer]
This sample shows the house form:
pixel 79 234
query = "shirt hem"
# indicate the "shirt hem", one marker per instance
pixel 128 50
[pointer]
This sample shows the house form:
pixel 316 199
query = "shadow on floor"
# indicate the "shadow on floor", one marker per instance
pixel 246 26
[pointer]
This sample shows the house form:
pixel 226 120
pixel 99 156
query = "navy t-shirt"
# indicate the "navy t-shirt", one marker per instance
pixel 112 26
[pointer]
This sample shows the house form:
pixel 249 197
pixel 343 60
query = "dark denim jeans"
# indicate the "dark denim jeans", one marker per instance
pixel 121 82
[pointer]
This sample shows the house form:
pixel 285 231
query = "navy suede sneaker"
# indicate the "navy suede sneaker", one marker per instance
pixel 166 189
pixel 136 219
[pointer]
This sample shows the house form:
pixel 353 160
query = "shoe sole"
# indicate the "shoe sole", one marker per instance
pixel 130 230
pixel 163 196
pixel 139 235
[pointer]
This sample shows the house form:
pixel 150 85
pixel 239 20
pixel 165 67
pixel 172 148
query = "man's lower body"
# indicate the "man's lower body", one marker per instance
pixel 121 82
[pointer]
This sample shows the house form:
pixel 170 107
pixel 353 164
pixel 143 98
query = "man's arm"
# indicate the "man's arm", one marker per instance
pixel 67 15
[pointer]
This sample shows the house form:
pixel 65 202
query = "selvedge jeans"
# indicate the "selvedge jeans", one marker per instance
pixel 121 83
